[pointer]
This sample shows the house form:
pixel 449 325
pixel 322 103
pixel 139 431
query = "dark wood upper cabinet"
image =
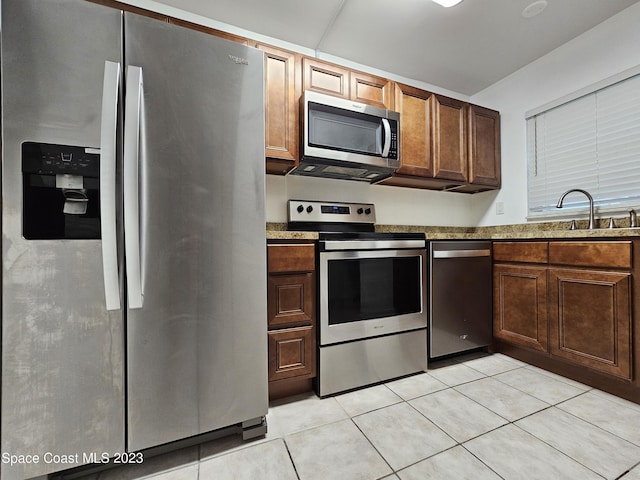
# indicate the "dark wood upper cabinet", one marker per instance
pixel 371 90
pixel 450 139
pixel 331 79
pixel 415 106
pixel 446 144
pixel 282 92
pixel 325 77
pixel 484 146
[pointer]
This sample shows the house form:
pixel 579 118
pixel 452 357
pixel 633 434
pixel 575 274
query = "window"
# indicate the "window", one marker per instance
pixel 591 142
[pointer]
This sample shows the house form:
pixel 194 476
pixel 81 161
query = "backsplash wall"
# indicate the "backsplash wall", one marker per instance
pixel 394 205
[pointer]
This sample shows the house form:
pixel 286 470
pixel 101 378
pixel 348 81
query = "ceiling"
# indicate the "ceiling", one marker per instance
pixel 464 48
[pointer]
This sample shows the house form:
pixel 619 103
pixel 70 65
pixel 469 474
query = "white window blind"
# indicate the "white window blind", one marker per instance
pixel 592 143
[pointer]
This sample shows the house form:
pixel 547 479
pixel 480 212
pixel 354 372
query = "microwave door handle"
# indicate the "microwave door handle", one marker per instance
pixel 387 138
pixel 132 114
pixel 108 129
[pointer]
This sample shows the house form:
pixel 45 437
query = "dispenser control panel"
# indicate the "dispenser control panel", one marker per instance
pixel 49 159
pixel 60 192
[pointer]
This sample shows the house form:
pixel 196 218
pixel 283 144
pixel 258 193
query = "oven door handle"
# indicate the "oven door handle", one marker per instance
pixel 330 245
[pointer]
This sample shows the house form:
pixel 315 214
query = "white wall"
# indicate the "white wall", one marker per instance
pixel 607 49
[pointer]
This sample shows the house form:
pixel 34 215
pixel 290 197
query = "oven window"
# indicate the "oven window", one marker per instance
pixel 368 288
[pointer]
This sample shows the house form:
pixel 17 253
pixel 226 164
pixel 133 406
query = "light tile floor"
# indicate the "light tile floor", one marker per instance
pixel 474 417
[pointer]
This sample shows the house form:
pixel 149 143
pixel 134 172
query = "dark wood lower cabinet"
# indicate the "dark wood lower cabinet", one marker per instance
pixel 571 307
pixel 291 311
pixel 590 319
pixel 520 305
pixel 292 353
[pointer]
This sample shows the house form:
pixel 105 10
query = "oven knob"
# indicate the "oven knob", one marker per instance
pixel 360 210
pixel 367 211
pixel 309 209
pixel 300 208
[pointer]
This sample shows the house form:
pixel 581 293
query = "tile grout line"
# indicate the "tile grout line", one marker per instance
pixel 554 448
pixel 479 459
pixel 510 422
pixel 393 471
pixel 637 465
pixel 295 469
pixel 593 424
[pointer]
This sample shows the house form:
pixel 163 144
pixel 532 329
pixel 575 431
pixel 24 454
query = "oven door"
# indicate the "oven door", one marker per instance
pixel 371 293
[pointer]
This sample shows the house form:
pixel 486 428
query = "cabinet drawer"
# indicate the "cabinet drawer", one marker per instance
pixel 529 252
pixel 591 254
pixel 291 257
pixel 292 353
pixel 290 299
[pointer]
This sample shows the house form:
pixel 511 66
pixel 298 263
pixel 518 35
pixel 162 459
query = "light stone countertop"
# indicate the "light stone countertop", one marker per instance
pixel 548 230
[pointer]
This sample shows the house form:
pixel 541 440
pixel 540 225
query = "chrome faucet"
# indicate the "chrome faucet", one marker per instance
pixel 591 219
pixel 633 219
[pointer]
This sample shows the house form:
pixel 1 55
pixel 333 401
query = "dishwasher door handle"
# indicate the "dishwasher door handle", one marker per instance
pixel 461 253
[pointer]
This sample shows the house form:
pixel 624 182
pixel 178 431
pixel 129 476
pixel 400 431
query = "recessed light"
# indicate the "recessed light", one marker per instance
pixel 447 3
pixel 534 9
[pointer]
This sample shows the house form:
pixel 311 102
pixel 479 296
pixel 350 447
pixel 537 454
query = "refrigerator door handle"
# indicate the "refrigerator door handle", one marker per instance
pixel 108 130
pixel 132 117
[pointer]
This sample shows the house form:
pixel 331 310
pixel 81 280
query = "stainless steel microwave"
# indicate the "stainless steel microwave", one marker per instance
pixel 347 140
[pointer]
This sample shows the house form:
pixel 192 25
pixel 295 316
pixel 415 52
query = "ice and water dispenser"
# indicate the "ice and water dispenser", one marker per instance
pixel 61 192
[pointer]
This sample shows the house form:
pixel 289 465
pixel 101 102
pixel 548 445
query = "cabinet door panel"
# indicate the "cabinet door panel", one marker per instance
pixel 325 78
pixel 371 90
pixel 415 108
pixel 450 139
pixel 590 319
pixel 484 146
pixel 290 299
pixel 520 306
pixel 292 353
pixel 281 107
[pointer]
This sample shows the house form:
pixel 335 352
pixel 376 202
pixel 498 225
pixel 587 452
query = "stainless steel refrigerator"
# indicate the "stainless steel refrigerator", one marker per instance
pixel 133 281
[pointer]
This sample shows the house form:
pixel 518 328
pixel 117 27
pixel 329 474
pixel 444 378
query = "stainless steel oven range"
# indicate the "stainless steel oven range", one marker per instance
pixel 372 296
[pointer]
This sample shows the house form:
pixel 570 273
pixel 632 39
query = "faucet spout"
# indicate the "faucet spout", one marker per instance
pixel 589 197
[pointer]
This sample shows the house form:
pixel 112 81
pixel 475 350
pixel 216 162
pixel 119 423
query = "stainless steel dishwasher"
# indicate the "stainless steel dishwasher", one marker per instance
pixel 460 310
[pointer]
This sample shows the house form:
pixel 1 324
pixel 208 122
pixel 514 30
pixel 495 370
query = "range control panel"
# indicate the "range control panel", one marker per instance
pixel 317 211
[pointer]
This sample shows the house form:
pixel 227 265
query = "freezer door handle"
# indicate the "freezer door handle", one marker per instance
pixel 132 117
pixel 108 130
